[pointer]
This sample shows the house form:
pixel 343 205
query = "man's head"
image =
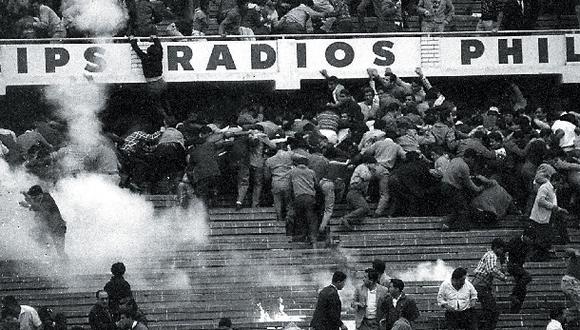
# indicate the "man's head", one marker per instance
pixel 35 7
pixel 458 277
pixel 225 323
pixel 205 132
pixel 126 318
pixel 369 95
pixel 498 246
pixel 118 269
pixel 332 82
pixel 396 287
pixel 102 298
pixel 11 305
pixel 339 279
pixel 170 121
pixel 379 265
pixel 372 278
pixel 390 78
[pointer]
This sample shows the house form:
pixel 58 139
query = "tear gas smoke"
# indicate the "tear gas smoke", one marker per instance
pixel 427 271
pixel 100 18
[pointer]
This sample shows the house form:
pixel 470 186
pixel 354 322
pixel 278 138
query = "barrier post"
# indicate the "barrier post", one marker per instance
pixel 286 79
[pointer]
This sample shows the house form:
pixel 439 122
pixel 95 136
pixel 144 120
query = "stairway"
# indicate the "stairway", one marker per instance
pixel 249 260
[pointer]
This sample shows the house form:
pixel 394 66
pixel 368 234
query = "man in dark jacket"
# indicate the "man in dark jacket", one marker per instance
pixel 153 72
pixel 327 313
pixel 518 248
pixel 47 214
pixel 117 288
pixel 100 317
pixel 400 302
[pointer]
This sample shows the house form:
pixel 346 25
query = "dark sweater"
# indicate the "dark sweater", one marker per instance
pixel 151 61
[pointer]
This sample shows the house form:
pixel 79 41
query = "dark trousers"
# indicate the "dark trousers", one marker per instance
pixel 466 319
pixel 543 243
pixel 522 278
pixel 489 312
pixel 305 218
pixel 457 206
pixel 358 202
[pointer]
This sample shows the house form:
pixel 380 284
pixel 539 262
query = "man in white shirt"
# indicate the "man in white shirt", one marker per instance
pixel 27 316
pixel 370 302
pixel 458 297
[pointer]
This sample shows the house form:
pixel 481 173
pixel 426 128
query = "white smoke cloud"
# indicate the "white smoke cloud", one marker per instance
pixel 79 103
pixel 100 18
pixel 427 271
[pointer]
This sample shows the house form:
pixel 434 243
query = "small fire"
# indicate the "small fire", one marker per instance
pixel 278 315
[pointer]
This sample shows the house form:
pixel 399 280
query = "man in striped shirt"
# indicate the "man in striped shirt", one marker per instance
pixel 489 268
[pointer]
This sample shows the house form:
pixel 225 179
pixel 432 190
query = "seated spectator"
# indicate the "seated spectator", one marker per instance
pixel 231 23
pixel 435 14
pixel 48 25
pixel 200 19
pixel 143 17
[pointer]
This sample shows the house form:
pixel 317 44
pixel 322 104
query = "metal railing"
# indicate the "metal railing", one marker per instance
pixel 294 36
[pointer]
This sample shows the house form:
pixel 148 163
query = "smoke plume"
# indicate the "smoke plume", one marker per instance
pixel 427 271
pixel 99 18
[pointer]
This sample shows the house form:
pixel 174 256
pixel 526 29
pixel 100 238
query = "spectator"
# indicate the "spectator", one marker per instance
pixel 487 269
pixel 404 306
pixel 570 283
pixel 143 17
pixel 26 315
pixel 303 183
pixel 358 189
pixel 458 297
pixel 328 306
pixel 48 23
pixel 200 19
pixel 544 211
pixel 518 249
pixel 100 317
pixel 371 302
pixel 51 320
pixel 435 14
pixel 49 221
pixel 153 73
pixel 127 321
pixel 458 189
pixel 130 304
pixel 170 154
pixel 519 14
pixel 277 169
pixel 30 138
pixel 403 322
pixel 231 23
pixel 136 156
pixel 491 16
pixel 202 166
pixel 117 288
pixel 321 166
pixel 295 21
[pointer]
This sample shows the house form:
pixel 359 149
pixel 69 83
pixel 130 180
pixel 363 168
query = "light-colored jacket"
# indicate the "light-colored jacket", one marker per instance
pixel 360 296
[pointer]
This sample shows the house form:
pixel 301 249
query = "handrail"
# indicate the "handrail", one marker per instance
pixel 297 36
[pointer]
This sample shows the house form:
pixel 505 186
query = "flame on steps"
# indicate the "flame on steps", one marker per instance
pixel 278 315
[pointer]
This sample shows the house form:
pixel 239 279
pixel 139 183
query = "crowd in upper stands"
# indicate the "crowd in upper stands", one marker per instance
pixel 29 19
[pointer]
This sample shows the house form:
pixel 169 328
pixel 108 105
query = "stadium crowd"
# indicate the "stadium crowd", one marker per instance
pixel 29 19
pixel 403 144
